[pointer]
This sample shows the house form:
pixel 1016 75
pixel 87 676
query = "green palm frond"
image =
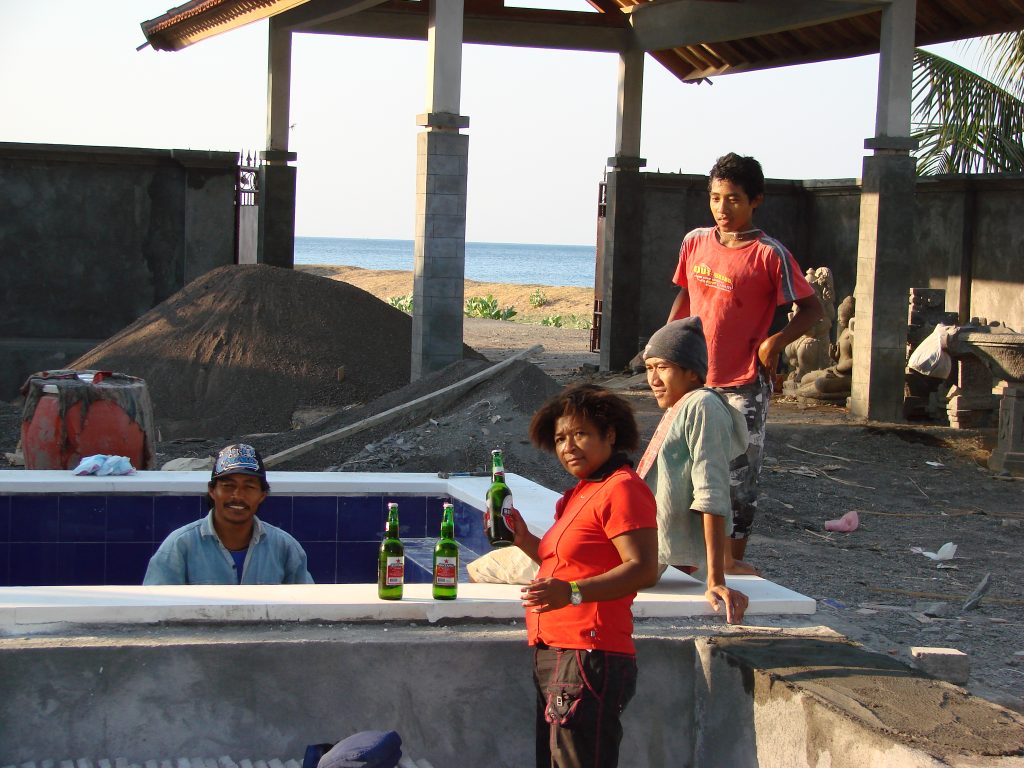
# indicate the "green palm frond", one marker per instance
pixel 1006 54
pixel 964 123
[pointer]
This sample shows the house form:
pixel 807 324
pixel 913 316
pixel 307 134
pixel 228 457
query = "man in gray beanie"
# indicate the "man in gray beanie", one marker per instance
pixel 686 464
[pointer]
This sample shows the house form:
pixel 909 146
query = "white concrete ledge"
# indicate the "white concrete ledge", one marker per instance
pixel 29 609
pixel 54 481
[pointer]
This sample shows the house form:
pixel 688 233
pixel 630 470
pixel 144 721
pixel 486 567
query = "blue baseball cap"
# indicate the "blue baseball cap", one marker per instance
pixel 239 459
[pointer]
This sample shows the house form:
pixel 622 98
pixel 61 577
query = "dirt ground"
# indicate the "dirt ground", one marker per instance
pixel 912 486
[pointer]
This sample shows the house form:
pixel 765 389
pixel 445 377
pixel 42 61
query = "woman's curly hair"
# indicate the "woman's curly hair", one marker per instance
pixel 599 406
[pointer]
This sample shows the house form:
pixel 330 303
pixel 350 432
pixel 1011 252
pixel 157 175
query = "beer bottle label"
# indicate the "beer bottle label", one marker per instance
pixel 506 512
pixel 445 571
pixel 395 571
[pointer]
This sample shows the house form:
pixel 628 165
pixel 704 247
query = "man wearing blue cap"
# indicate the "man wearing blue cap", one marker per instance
pixel 231 545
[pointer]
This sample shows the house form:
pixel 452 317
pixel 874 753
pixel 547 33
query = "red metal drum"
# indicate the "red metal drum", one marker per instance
pixel 72 414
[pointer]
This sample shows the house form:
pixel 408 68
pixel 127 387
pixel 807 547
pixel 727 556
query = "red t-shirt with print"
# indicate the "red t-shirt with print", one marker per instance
pixel 735 291
pixel 579 545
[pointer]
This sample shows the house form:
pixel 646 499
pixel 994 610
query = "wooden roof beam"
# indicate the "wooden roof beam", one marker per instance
pixel 665 24
pixel 575 31
pixel 314 12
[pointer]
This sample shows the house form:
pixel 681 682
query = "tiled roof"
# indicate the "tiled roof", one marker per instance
pixel 693 39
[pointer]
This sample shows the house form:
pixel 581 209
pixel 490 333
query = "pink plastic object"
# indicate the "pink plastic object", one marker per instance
pixel 846 524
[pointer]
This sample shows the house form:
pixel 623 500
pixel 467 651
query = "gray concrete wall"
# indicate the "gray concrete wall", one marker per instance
pixel 463 696
pixel 961 222
pixel 93 237
pixel 458 696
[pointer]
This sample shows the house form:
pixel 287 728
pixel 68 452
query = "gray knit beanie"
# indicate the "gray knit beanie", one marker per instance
pixel 681 342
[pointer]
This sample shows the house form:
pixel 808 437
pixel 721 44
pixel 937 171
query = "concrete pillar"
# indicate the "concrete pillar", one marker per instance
pixel 279 86
pixel 629 104
pixel 620 328
pixel 276 227
pixel 886 241
pixel 442 154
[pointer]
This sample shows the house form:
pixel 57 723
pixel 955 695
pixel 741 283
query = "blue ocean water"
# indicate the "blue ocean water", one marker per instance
pixel 521 263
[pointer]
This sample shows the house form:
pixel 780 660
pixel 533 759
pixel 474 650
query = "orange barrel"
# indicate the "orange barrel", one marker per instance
pixel 72 414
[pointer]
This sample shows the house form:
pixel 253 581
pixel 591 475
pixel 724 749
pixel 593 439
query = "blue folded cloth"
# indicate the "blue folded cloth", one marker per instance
pixel 313 754
pixel 366 749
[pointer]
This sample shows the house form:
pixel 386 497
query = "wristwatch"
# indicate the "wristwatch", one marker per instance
pixel 575 596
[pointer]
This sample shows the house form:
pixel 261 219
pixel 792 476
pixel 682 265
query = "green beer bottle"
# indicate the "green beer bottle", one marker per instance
pixel 391 563
pixel 446 558
pixel 497 517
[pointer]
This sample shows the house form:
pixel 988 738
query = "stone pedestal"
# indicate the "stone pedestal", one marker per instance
pixel 440 243
pixel 976 402
pixel 1008 455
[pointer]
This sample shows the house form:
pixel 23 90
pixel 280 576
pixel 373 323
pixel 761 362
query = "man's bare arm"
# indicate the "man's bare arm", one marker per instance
pixel 808 312
pixel 680 307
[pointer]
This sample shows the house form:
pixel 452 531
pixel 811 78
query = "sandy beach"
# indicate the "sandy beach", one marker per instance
pixel 558 300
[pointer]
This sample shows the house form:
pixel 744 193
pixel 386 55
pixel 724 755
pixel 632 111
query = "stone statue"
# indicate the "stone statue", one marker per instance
pixel 836 381
pixel 811 351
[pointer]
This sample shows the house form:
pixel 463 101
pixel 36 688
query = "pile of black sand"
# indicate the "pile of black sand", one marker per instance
pixel 453 437
pixel 239 349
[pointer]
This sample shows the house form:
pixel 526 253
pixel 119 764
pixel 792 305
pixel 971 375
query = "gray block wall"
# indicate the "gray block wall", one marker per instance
pixel 93 237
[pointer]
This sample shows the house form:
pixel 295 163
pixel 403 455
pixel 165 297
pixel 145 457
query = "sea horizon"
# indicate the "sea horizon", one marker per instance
pixel 516 263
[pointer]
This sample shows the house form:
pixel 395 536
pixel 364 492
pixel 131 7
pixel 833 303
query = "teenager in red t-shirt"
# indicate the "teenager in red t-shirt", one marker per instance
pixel 733 276
pixel 602 548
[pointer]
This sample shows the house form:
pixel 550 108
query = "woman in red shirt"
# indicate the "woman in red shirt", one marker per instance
pixel 600 550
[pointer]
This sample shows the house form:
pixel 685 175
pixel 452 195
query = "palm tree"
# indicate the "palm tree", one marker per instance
pixel 966 123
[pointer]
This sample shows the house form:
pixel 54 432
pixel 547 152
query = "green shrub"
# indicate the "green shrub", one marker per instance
pixel 538 299
pixel 403 303
pixel 481 306
pixel 579 322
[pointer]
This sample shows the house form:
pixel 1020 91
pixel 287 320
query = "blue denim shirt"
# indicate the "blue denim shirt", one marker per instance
pixel 194 554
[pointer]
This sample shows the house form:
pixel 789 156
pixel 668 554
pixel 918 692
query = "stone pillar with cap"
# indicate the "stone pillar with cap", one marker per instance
pixel 442 154
pixel 886 230
pixel 623 235
pixel 276 227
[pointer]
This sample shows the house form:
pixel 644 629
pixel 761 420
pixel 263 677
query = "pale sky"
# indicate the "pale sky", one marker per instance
pixel 542 123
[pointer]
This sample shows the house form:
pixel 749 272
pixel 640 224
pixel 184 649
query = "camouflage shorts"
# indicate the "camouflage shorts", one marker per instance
pixel 751 400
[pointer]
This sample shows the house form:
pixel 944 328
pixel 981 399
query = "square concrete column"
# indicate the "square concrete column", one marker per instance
pixel 276 224
pixel 620 327
pixel 442 154
pixel 622 247
pixel 886 242
pixel 276 228
pixel 440 243
pixel 884 249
